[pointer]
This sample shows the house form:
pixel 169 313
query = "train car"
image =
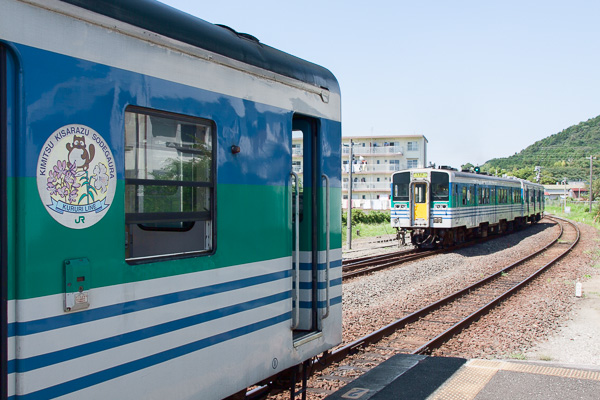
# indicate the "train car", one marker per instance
pixel 154 242
pixel 444 206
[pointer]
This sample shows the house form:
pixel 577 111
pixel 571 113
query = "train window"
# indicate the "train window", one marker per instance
pixel 420 193
pixel 169 185
pixel 440 186
pixel 485 195
pixel 400 184
pixel 464 196
pixel 502 196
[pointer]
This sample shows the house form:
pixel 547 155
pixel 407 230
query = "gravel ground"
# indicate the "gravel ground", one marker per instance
pixel 372 301
pixel 540 323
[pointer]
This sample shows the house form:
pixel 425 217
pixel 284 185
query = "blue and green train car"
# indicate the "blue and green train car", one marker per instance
pixel 155 244
pixel 444 206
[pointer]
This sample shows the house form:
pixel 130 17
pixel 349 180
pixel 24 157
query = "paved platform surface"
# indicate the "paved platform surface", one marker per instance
pixel 414 377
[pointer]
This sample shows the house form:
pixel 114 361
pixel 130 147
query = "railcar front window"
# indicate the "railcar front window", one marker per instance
pixel 400 185
pixel 440 186
pixel 169 184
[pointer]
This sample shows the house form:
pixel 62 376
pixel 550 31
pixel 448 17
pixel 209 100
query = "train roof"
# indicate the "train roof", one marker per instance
pixel 472 175
pixel 168 21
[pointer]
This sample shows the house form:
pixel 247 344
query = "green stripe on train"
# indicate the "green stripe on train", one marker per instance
pixel 252 225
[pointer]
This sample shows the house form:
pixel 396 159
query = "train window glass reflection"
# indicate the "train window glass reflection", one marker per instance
pixel 440 186
pixel 169 185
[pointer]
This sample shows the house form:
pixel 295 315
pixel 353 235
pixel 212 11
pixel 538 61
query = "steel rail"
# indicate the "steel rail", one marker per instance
pixel 366 267
pixel 449 333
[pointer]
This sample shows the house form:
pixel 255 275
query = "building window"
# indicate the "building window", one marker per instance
pixel 412 164
pixel 413 146
pixel 169 185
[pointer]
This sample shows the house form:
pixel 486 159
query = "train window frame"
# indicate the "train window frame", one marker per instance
pixel 181 219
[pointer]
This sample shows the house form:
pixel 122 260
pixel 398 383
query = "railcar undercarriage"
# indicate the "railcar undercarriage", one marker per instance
pixel 427 238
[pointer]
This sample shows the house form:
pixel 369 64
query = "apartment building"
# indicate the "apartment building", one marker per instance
pixel 375 159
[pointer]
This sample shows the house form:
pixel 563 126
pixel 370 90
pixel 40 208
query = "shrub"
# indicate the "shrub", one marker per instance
pixel 366 217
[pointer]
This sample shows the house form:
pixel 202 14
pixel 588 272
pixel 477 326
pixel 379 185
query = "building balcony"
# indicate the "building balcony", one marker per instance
pixel 374 151
pixel 373 168
pixel 368 186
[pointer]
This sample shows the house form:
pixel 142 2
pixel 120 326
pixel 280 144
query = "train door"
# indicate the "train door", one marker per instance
pixel 420 204
pixel 6 96
pixel 305 230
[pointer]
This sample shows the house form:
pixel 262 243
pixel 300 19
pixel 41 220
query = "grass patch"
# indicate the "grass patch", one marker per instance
pixel 517 356
pixel 579 212
pixel 544 357
pixel 368 230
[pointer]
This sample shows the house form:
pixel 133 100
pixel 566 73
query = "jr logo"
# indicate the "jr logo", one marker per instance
pixel 80 219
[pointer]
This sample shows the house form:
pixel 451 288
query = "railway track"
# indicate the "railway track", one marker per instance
pixel 430 327
pixel 364 265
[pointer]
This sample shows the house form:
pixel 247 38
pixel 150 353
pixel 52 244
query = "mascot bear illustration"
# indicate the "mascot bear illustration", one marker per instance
pixel 78 153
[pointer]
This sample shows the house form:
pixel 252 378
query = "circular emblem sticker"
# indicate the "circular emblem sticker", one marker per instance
pixel 76 176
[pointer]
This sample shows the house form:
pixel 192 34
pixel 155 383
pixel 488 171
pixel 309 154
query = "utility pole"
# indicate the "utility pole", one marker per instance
pixel 565 195
pixel 349 217
pixel 591 193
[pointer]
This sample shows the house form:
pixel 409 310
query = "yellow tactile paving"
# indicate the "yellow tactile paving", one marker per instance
pixel 553 371
pixel 464 384
pixel 468 381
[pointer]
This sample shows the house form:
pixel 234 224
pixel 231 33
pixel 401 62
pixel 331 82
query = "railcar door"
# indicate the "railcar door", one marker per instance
pixel 305 227
pixel 6 97
pixel 420 204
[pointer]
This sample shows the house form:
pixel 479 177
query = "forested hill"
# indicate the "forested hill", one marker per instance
pixel 564 154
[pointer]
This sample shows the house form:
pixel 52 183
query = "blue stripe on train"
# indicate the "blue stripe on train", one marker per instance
pixel 61 321
pixel 44 360
pixel 152 360
pixel 321 304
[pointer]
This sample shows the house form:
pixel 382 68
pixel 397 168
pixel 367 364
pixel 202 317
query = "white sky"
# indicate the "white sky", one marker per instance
pixel 479 79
